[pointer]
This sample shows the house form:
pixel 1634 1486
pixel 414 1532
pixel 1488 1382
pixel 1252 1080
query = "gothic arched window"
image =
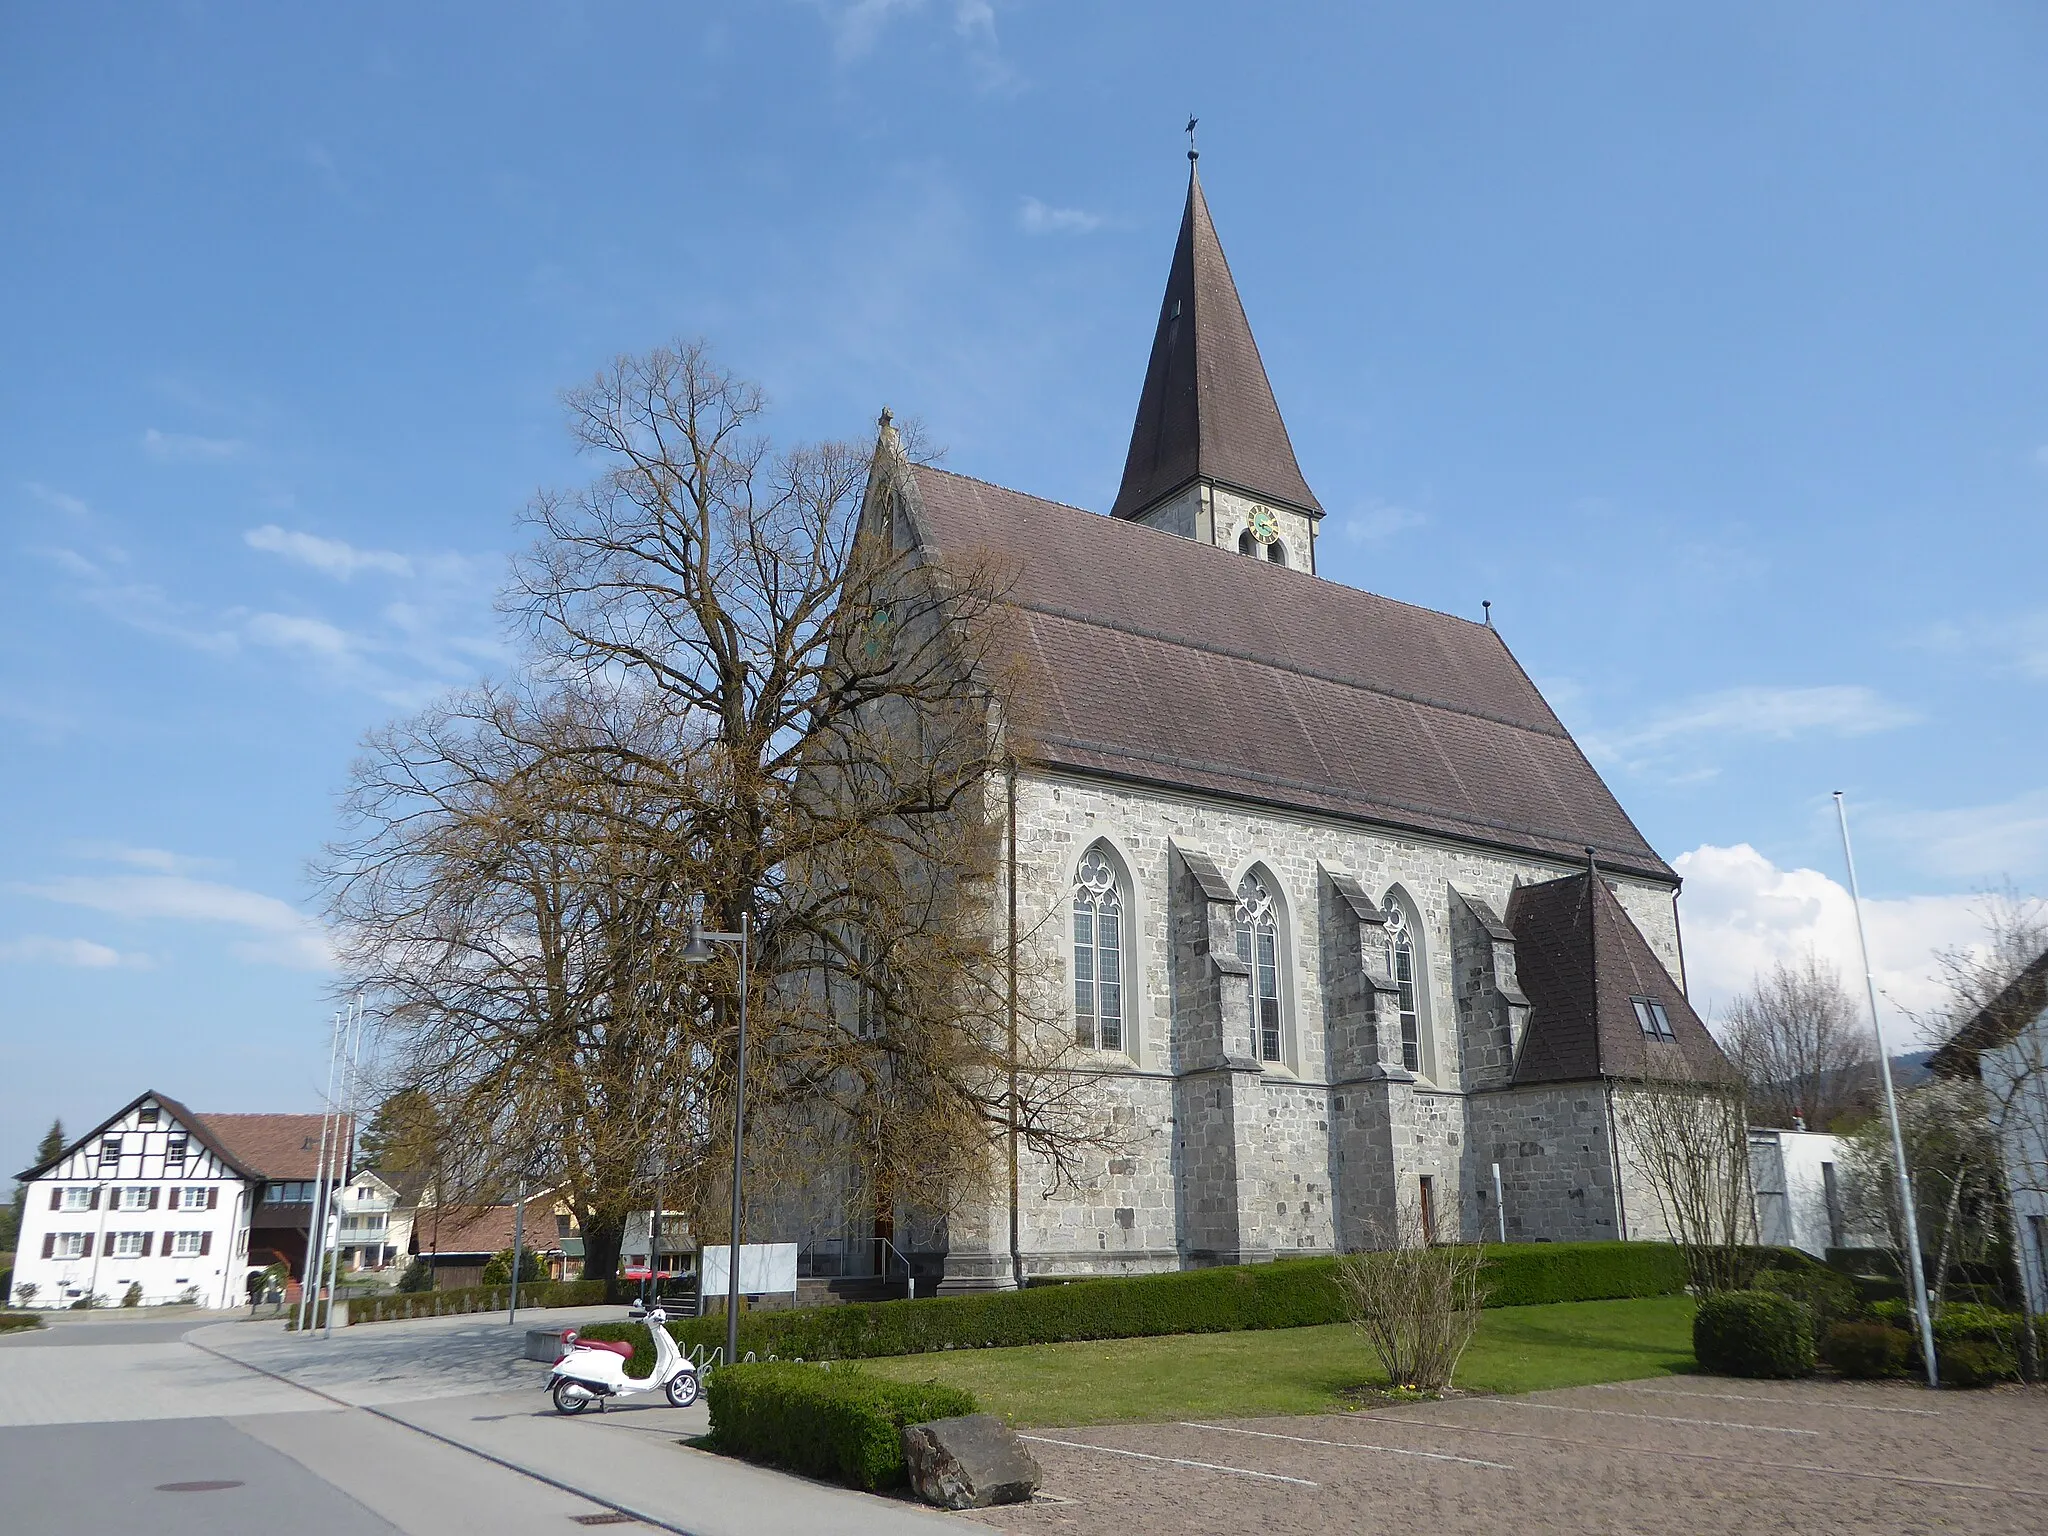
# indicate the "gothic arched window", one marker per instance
pixel 1277 552
pixel 1258 946
pixel 1098 954
pixel 1401 961
pixel 1247 545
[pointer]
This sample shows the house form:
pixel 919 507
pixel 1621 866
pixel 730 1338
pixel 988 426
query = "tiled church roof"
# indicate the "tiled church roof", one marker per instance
pixel 1207 410
pixel 1580 962
pixel 1158 659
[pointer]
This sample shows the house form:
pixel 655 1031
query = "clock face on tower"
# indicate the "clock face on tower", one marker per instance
pixel 1264 525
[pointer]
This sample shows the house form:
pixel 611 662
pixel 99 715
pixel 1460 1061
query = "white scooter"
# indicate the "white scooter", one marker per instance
pixel 591 1372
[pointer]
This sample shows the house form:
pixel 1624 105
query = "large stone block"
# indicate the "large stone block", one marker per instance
pixel 969 1463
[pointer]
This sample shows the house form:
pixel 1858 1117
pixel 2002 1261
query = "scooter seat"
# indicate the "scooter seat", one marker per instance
pixel 618 1347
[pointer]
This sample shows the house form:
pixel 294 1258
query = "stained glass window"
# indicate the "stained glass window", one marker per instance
pixel 1258 946
pixel 1098 954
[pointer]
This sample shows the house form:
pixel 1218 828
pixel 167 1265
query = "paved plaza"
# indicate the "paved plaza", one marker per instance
pixel 224 1427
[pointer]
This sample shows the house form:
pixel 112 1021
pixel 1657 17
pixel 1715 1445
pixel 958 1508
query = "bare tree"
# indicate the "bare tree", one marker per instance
pixel 1952 1150
pixel 1800 1041
pixel 1417 1303
pixel 749 702
pixel 1689 1141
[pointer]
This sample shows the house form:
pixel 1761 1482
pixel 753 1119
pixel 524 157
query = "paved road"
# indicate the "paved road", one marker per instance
pixel 423 1427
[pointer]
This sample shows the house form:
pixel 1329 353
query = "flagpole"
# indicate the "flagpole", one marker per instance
pixel 1891 1110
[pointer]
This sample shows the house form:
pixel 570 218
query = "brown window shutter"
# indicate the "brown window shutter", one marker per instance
pixel 173 1203
pixel 49 1244
pixel 152 1197
pixel 213 1197
pixel 95 1199
pixel 205 1244
pixel 166 1249
pixel 145 1243
pixel 56 1201
pixel 87 1252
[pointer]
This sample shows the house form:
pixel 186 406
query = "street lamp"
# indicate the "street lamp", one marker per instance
pixel 696 952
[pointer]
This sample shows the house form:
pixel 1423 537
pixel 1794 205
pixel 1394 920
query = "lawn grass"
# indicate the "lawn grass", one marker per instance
pixel 1302 1370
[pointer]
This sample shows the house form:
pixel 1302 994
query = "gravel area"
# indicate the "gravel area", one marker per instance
pixel 1673 1457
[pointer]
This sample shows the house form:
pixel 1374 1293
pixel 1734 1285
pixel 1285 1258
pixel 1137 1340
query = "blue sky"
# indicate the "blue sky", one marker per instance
pixel 1705 341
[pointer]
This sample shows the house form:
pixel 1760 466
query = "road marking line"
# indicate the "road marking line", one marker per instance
pixel 1744 1397
pixel 1657 1418
pixel 1738 1461
pixel 1349 1445
pixel 1178 1461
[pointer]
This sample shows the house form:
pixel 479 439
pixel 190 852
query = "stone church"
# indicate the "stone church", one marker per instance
pixel 1344 919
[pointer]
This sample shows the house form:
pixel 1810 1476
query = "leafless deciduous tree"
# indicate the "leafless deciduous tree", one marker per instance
pixel 1689 1141
pixel 748 701
pixel 1952 1150
pixel 1417 1303
pixel 1802 1044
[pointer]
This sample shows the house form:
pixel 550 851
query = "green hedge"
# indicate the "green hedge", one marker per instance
pixel 1865 1351
pixel 10 1322
pixel 1753 1333
pixel 475 1298
pixel 1289 1293
pixel 840 1424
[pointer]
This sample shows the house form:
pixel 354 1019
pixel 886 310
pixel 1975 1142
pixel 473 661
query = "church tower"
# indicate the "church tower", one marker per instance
pixel 1210 457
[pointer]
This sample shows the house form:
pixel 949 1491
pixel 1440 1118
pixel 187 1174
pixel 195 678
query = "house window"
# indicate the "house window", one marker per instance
pixel 363 1224
pixel 110 1150
pixel 187 1245
pixel 77 1199
pixel 127 1245
pixel 1098 954
pixel 146 1115
pixel 134 1198
pixel 69 1245
pixel 1650 1015
pixel 174 1152
pixel 290 1192
pixel 1258 946
pixel 192 1197
pixel 1401 961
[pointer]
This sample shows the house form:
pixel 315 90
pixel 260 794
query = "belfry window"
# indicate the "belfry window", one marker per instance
pixel 1401 961
pixel 1258 946
pixel 1247 545
pixel 1098 954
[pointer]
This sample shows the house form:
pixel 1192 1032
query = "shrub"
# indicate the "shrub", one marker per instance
pixel 25 1292
pixel 476 1298
pixel 1753 1333
pixel 1868 1350
pixel 498 1268
pixel 132 1297
pixel 418 1276
pixel 1969 1364
pixel 1417 1305
pixel 1288 1293
pixel 840 1424
pixel 12 1321
pixel 1829 1296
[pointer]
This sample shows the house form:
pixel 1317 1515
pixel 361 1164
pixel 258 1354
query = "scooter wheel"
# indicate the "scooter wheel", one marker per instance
pixel 570 1398
pixel 682 1389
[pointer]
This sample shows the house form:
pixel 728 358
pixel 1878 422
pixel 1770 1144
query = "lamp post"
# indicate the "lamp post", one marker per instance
pixel 696 953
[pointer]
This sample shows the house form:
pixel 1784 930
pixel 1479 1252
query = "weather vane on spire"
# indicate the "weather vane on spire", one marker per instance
pixel 1193 153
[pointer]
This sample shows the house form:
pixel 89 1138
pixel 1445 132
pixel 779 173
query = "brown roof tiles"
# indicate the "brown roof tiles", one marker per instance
pixel 273 1146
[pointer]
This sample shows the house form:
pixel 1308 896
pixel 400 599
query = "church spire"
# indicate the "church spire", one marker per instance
pixel 1207 414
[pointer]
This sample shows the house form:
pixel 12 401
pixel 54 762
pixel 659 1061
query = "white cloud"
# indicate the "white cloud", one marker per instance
pixel 1381 520
pixel 63 501
pixel 80 954
pixel 292 632
pixel 857 27
pixel 1990 843
pixel 276 932
pixel 334 557
pixel 1740 912
pixel 1757 713
pixel 1039 218
pixel 161 860
pixel 2017 643
pixel 186 448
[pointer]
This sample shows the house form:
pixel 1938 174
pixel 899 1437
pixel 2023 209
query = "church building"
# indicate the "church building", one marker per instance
pixel 1344 922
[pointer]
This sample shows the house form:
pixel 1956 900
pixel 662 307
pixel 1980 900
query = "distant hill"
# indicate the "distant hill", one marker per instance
pixel 1910 1069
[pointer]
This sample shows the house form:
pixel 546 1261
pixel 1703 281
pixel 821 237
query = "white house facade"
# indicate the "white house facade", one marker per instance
pixel 181 1204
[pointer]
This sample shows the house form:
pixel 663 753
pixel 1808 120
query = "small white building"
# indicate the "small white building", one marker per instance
pixel 1795 1178
pixel 158 1196
pixel 373 1224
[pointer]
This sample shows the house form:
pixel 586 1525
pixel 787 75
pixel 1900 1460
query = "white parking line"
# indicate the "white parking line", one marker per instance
pixel 1656 1418
pixel 1178 1461
pixel 1349 1445
pixel 1795 1402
